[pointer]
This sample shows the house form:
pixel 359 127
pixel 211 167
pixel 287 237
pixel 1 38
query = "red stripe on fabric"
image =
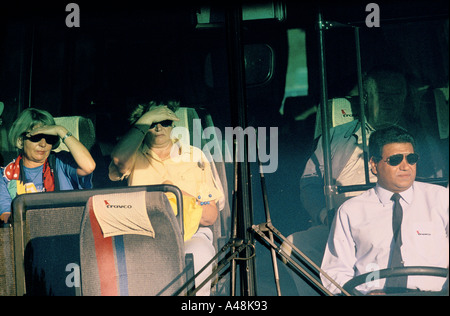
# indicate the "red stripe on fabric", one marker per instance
pixel 105 257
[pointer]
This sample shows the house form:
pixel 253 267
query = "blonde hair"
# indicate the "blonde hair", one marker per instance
pixel 141 109
pixel 26 121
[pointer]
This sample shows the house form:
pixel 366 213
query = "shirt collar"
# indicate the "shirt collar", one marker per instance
pixel 385 195
pixel 178 151
pixel 358 132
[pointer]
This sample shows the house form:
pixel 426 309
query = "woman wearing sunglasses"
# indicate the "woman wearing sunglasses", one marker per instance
pixel 398 223
pixel 37 168
pixel 148 155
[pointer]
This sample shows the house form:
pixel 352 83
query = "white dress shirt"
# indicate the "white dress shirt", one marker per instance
pixel 361 236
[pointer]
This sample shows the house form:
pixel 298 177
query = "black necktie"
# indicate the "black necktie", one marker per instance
pixel 396 255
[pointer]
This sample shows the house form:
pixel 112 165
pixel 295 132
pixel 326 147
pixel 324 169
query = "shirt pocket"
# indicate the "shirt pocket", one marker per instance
pixel 430 243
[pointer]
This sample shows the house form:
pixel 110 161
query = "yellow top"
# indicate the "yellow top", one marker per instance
pixel 187 168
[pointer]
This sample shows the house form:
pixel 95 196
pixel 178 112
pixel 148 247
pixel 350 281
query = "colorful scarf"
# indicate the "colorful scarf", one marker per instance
pixel 14 173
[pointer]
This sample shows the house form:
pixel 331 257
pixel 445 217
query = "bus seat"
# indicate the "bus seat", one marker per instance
pixel 50 240
pixel 84 130
pixel 187 115
pixel 81 127
pixel 340 111
pixel 46 230
pixel 133 264
pixel 7 282
pixel 431 131
pixel 222 227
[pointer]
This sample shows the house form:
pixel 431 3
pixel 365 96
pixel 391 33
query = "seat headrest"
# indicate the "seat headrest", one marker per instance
pixel 81 127
pixel 342 111
pixel 121 214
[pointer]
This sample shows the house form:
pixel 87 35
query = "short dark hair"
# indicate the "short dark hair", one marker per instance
pixel 388 135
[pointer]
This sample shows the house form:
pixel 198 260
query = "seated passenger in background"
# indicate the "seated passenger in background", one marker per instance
pixel 37 168
pixel 147 155
pixel 369 231
pixel 385 93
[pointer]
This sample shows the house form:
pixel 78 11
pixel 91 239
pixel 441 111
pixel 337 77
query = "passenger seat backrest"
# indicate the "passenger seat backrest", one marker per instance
pixel 133 264
pixel 7 283
pixel 186 116
pixel 340 111
pixel 47 238
pixel 222 226
pixel 81 127
pixel 51 239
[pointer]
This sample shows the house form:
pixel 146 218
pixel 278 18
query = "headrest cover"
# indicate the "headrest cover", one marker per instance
pixel 122 213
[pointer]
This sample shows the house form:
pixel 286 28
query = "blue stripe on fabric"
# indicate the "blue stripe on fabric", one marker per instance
pixel 121 265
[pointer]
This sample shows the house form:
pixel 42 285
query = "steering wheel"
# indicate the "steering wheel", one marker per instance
pixel 351 285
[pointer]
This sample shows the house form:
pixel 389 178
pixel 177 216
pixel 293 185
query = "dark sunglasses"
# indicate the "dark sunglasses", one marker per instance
pixel 165 123
pixel 49 139
pixel 397 159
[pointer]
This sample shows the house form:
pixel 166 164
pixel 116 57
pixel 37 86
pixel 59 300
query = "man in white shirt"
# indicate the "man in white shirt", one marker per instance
pixel 362 239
